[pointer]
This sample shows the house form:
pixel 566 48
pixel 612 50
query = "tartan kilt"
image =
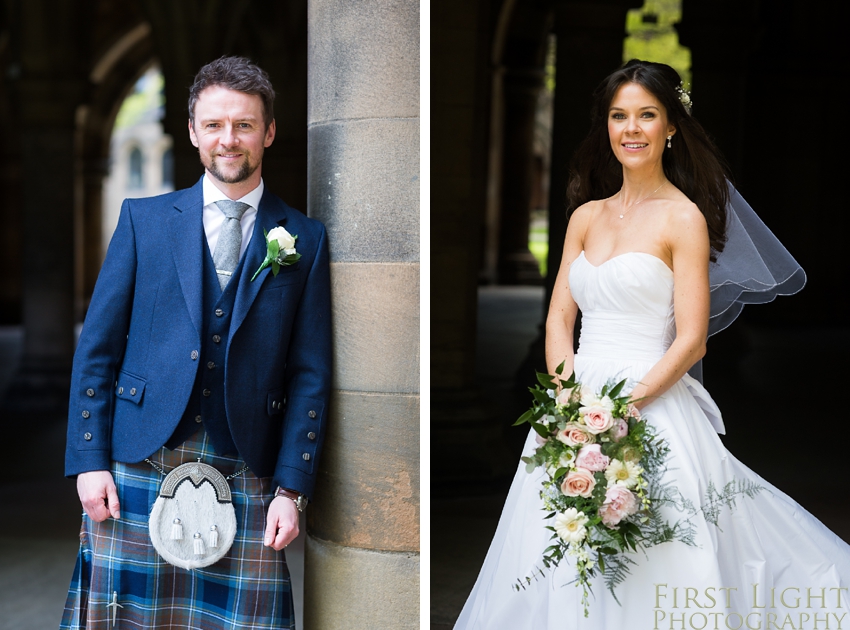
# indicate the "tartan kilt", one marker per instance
pixel 247 589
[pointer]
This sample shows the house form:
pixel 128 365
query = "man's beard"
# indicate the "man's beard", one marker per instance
pixel 244 172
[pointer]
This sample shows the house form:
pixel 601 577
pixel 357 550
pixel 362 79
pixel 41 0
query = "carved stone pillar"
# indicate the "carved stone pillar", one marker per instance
pixel 362 549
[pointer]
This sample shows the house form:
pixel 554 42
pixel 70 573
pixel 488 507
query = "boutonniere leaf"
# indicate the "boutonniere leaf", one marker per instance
pixel 280 250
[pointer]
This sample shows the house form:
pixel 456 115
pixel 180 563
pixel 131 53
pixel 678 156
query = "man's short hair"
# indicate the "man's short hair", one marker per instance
pixel 234 73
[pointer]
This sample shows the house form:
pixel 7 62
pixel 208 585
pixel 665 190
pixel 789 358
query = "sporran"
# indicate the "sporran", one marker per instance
pixel 193 523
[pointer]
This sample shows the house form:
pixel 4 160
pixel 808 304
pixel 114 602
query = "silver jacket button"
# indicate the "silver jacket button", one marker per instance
pixel 311 435
pixel 306 457
pixel 194 355
pixel 311 413
pixel 87 437
pixel 89 392
pixel 133 392
pixel 86 414
pixel 120 390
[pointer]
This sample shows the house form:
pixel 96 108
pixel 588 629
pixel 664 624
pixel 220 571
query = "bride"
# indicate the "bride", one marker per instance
pixel 658 255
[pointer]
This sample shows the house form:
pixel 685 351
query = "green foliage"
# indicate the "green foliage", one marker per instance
pixel 657 41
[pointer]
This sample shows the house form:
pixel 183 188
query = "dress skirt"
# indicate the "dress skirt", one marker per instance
pixel 247 589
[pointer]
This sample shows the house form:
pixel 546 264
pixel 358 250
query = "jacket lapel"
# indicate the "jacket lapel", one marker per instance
pixel 270 214
pixel 188 239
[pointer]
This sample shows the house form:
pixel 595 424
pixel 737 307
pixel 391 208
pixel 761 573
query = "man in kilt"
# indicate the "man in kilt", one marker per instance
pixel 206 341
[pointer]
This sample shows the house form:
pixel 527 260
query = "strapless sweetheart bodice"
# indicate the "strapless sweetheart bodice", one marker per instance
pixel 626 306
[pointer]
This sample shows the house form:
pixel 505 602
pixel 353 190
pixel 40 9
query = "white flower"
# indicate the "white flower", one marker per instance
pixel 589 399
pixel 622 473
pixel 570 525
pixel 284 239
pixel 289 251
pixel 567 458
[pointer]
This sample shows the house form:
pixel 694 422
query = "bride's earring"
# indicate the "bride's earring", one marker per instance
pixel 669 144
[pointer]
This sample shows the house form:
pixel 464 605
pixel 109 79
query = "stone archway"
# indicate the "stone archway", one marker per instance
pixel 112 76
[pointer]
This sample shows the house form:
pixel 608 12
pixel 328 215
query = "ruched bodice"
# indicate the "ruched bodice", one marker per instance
pixel 626 305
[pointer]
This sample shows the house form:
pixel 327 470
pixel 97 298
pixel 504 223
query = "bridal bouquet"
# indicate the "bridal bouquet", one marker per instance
pixel 603 465
pixel 604 489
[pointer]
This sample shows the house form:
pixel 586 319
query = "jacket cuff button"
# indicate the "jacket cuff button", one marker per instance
pixel 306 457
pixel 120 390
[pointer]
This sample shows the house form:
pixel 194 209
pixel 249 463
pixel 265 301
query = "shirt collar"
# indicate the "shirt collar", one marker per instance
pixel 213 194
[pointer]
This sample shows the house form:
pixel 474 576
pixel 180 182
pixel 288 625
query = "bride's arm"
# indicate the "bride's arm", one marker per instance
pixel 689 248
pixel 561 319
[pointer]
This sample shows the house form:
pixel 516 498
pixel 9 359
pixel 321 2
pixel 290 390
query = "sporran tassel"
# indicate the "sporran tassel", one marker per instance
pixel 176 530
pixel 213 536
pixel 199 544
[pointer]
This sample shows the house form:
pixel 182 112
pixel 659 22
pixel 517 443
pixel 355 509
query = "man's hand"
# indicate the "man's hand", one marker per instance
pixel 281 523
pixel 98 495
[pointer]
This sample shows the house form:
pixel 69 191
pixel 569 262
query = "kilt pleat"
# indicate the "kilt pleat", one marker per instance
pixel 247 589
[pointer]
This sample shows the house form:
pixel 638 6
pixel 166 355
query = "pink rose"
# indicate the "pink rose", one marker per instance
pixel 597 418
pixel 564 397
pixel 591 458
pixel 575 435
pixel 621 430
pixel 540 439
pixel 620 502
pixel 578 483
pixel 634 412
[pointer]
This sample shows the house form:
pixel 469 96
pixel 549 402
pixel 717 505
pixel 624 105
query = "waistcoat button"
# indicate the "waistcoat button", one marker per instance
pixel 86 414
pixel 311 413
pixel 211 365
pixel 219 312
pixel 89 392
pixel 207 392
pixel 216 338
pixel 198 419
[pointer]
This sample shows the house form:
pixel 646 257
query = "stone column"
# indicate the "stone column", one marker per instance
pixel 48 92
pixel 362 550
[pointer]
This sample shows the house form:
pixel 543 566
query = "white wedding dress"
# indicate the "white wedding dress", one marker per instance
pixel 767 547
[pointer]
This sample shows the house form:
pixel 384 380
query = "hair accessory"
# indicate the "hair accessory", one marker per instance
pixel 669 142
pixel 684 97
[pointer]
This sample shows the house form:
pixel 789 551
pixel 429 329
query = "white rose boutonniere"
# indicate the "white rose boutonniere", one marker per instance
pixel 280 250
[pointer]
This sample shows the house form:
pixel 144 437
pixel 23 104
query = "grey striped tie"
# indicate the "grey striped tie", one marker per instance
pixel 226 255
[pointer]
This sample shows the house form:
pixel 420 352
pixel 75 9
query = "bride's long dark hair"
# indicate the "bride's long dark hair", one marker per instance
pixel 694 164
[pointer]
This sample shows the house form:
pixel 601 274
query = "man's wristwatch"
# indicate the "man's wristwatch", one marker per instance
pixel 299 499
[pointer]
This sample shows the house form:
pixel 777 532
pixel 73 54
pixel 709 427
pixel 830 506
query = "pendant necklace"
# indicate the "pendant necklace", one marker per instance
pixel 623 212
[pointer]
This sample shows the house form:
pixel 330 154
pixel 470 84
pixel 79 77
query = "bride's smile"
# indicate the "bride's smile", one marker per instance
pixel 638 127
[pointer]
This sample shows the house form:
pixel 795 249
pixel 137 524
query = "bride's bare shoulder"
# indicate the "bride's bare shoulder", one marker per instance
pixel 684 224
pixel 584 214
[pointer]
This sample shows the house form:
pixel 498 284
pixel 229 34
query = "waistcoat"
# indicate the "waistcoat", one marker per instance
pixel 206 404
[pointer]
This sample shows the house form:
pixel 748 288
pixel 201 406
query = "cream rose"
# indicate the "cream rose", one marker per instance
pixel 597 418
pixel 578 483
pixel 575 435
pixel 284 239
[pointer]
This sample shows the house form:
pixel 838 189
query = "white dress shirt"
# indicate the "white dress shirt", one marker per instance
pixel 214 217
